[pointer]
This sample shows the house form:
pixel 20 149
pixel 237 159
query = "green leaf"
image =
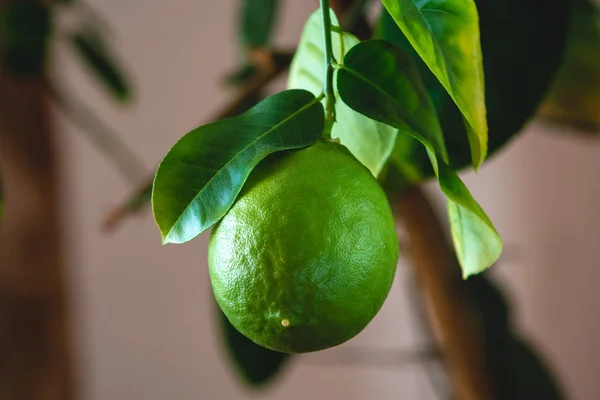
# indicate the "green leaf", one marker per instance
pixel 523 45
pixel 25 29
pixel 446 36
pixel 378 80
pixel 98 59
pixel 369 141
pixel 255 364
pixel 257 21
pixel 200 177
pixel 476 241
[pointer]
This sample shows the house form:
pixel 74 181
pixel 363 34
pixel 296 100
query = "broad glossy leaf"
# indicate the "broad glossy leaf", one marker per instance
pixel 25 29
pixel 369 141
pixel 200 177
pixel 378 80
pixel 522 44
pixel 98 59
pixel 255 364
pixel 257 21
pixel 445 33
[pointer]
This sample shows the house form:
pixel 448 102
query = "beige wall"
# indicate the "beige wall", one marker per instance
pixel 144 312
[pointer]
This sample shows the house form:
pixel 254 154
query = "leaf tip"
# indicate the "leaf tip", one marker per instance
pixel 467 274
pixel 171 239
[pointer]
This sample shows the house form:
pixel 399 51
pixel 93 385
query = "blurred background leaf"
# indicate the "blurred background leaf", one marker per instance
pixel 94 52
pixel 517 371
pixel 25 28
pixel 523 45
pixel 257 22
pixel 255 364
pixel 525 375
pixel 575 96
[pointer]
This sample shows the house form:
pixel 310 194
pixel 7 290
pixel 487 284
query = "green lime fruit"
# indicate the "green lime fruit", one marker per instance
pixel 306 256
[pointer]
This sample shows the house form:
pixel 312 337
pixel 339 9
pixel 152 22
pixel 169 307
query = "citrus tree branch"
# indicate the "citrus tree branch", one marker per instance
pixel 329 60
pixel 438 276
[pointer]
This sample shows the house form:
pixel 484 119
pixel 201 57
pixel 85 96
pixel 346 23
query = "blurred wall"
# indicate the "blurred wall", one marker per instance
pixel 144 314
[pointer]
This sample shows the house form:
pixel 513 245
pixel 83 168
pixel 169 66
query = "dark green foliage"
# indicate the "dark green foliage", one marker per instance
pixel 490 304
pixel 516 371
pixel 257 21
pixel 256 24
pixel 524 376
pixel 522 44
pixel 200 177
pixel 90 47
pixel 445 34
pixel 255 364
pixel 379 81
pixel 25 29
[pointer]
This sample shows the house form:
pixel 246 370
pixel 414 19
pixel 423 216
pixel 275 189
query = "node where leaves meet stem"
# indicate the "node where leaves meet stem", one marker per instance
pixel 329 61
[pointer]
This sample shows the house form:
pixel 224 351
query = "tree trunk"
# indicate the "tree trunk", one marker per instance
pixel 438 274
pixel 35 358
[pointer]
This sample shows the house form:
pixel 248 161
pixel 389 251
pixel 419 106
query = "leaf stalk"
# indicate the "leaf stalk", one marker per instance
pixel 329 62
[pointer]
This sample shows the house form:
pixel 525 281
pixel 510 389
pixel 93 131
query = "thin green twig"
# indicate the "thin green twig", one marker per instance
pixel 329 62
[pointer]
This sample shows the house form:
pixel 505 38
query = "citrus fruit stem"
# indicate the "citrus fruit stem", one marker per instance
pixel 329 61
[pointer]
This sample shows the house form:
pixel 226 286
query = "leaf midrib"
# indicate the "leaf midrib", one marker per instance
pixel 426 142
pixel 448 72
pixel 219 171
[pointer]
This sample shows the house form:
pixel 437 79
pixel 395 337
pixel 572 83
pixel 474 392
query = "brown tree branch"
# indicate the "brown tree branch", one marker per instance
pixel 35 357
pixel 450 317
